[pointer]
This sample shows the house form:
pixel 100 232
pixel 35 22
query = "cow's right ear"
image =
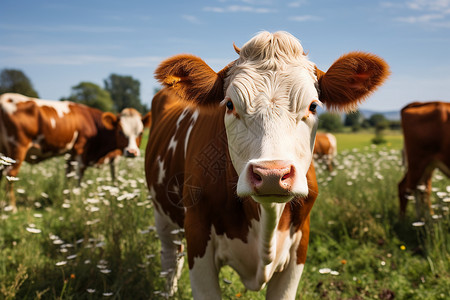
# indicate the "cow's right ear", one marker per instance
pixel 109 120
pixel 351 79
pixel 147 119
pixel 192 79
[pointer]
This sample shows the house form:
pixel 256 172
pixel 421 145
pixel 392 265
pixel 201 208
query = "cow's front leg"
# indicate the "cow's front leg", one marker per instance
pixel 283 285
pixel 204 275
pixel 172 258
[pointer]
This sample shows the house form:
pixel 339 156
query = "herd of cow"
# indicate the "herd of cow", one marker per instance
pixel 230 154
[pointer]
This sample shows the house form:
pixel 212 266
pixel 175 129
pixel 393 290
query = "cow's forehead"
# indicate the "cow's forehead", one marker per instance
pixel 272 66
pixel 131 124
pixel 294 87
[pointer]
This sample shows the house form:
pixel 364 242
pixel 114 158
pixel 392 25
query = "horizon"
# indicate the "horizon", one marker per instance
pixel 60 44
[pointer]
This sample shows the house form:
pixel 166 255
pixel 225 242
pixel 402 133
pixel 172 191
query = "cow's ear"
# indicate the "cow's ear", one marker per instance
pixel 192 79
pixel 351 79
pixel 147 120
pixel 109 120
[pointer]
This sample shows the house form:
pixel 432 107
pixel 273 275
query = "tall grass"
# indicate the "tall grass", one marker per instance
pixel 98 241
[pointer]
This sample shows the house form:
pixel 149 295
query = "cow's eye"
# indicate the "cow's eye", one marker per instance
pixel 313 107
pixel 230 105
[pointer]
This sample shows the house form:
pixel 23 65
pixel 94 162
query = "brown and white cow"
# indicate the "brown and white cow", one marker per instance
pixel 426 131
pixel 229 159
pixel 33 130
pixel 325 149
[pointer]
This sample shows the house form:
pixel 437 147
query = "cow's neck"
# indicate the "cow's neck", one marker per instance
pixel 270 218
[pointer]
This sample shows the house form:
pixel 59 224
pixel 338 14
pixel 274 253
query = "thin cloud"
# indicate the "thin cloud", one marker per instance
pixel 430 13
pixel 297 3
pixel 191 19
pixel 238 9
pixel 80 59
pixel 427 5
pixel 67 28
pixel 305 18
pixel 420 19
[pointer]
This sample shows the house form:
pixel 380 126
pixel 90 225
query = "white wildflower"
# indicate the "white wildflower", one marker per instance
pixel 418 224
pixel 33 230
pixel 324 270
pixel 441 194
pixel 335 273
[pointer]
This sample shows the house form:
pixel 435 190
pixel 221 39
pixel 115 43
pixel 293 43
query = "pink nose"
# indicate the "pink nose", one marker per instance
pixel 272 177
pixel 129 152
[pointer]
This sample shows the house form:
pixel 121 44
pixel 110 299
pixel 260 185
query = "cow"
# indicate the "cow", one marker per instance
pixel 426 132
pixel 229 160
pixel 325 149
pixel 33 130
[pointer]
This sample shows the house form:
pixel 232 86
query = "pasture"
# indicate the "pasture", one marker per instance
pixel 98 241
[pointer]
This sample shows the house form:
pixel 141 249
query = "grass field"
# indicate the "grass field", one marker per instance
pixel 348 141
pixel 98 241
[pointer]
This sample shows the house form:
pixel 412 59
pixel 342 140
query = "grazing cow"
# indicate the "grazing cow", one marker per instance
pixel 426 131
pixel 325 149
pixel 229 160
pixel 33 130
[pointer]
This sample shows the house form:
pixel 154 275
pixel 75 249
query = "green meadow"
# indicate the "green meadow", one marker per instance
pixel 98 241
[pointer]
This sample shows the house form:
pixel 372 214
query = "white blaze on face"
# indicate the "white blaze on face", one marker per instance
pixel 271 119
pixel 132 128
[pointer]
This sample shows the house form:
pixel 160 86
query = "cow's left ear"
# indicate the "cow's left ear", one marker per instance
pixel 109 120
pixel 147 119
pixel 351 79
pixel 192 79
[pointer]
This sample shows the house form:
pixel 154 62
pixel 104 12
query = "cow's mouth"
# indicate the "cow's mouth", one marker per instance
pixel 273 198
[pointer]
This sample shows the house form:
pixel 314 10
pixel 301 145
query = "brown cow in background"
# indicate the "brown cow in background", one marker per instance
pixel 33 130
pixel 426 130
pixel 325 149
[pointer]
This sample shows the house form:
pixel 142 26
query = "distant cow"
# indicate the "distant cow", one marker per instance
pixel 426 130
pixel 33 130
pixel 229 159
pixel 325 149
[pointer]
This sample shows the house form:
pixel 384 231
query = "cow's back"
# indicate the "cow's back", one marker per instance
pixel 426 129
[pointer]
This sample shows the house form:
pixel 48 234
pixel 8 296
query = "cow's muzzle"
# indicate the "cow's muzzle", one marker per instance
pixel 131 152
pixel 270 178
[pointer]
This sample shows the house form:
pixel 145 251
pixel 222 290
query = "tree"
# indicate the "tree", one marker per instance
pixel 125 92
pixel 92 95
pixel 377 119
pixel 330 122
pixel 15 81
pixel 354 120
pixel 380 123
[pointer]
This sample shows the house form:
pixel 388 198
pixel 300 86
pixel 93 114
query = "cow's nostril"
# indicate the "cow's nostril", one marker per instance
pixel 288 174
pixel 256 176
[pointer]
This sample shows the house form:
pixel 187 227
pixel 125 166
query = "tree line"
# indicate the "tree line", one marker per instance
pixel 117 93
pixel 334 122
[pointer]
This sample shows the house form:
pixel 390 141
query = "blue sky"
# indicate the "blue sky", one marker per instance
pixel 58 43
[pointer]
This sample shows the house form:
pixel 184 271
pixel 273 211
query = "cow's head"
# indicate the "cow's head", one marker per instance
pixel 270 95
pixel 128 126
